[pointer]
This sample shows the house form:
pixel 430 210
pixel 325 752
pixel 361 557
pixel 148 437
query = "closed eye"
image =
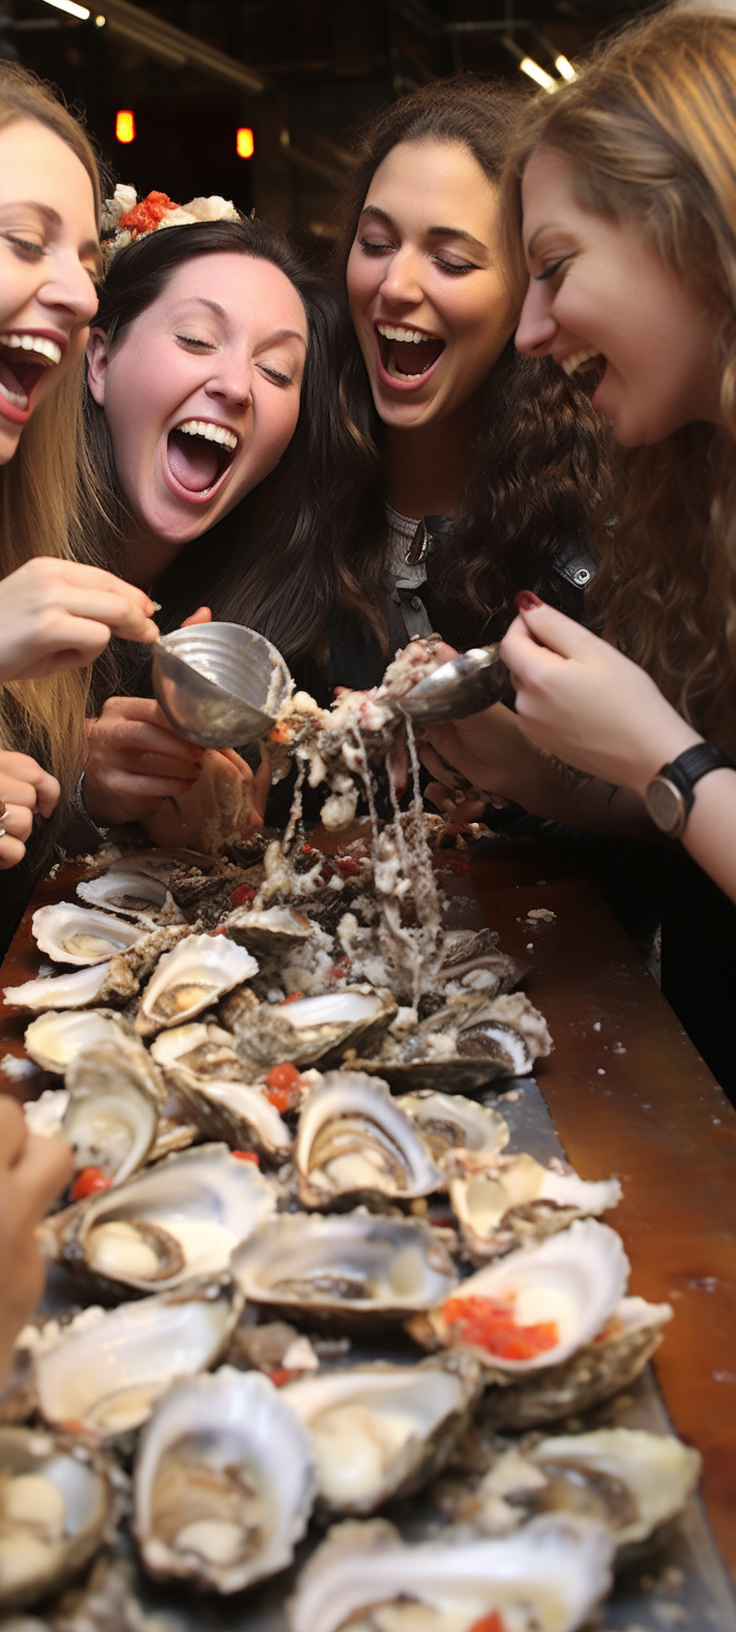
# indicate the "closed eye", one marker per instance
pixel 275 375
pixel 194 344
pixel 541 277
pixel 35 250
pixel 456 269
pixel 373 247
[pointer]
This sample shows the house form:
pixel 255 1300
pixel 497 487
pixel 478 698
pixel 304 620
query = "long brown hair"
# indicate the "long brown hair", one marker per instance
pixel 648 129
pixel 47 499
pixel 537 468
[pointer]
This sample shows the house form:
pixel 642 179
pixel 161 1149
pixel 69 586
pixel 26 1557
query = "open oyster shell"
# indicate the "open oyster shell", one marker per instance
pixel 69 933
pixel 548 1578
pixel 54 1509
pixel 269 931
pixel 116 1094
pixel 351 1268
pixel 71 991
pixel 382 1430
pixel 181 1218
pixel 234 1111
pixel 353 1143
pixel 133 894
pixel 58 1036
pixel 314 1030
pixel 224 1482
pixel 449 1122
pixel 505 1201
pixel 189 979
pixel 467 1043
pixel 108 1367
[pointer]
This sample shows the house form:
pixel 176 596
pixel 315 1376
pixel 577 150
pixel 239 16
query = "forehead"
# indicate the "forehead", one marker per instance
pixel 439 181
pixel 549 191
pixel 251 291
pixel 37 166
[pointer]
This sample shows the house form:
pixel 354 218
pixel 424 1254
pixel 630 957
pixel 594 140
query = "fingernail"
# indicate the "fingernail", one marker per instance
pixel 526 600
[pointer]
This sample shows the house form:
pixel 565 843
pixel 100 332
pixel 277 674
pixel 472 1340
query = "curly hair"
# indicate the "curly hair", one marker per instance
pixel 537 465
pixel 648 131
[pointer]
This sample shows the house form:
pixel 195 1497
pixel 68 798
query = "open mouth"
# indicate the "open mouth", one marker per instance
pixel 24 358
pixel 586 368
pixel 199 453
pixel 407 354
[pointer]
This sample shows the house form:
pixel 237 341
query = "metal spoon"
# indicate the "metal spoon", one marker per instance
pixel 218 684
pixel 464 685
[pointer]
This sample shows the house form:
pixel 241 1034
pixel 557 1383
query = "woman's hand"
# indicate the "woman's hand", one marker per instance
pixel 579 698
pixel 33 1170
pixel 135 761
pixel 226 805
pixel 24 789
pixel 60 615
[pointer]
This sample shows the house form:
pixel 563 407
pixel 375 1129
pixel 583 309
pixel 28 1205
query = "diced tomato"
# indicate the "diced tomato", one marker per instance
pixel 247 1156
pixel 326 872
pixel 339 969
pixel 283 1076
pixel 347 866
pixel 293 997
pixel 280 1098
pixel 493 1622
pixel 279 733
pixel 146 215
pixel 451 861
pixel 491 1325
pixel 244 892
pixel 307 849
pixel 221 930
pixel 282 1374
pixel 88 1181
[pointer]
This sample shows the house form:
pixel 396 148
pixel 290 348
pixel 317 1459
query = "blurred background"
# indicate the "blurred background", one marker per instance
pixel 256 99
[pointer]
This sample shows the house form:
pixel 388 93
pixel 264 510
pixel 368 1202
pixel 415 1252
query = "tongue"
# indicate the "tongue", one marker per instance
pixel 194 462
pixel 11 384
pixel 415 358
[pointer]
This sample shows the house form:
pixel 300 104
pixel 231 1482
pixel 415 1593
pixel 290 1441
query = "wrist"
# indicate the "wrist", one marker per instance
pixel 669 744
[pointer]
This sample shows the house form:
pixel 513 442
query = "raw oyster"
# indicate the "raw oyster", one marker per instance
pixel 467 1043
pixel 224 1482
pixel 471 961
pixel 347 1268
pixel 116 1093
pixel 131 893
pixel 314 1030
pixel 353 1143
pixel 108 1367
pixel 54 1509
pixel 72 934
pixel 181 1218
pixel 381 1431
pixel 268 931
pixel 631 1480
pixel 56 1037
pixel 548 1578
pixel 535 1307
pixel 190 978
pixel 503 1201
pixel 449 1122
pixel 234 1111
pixel 72 991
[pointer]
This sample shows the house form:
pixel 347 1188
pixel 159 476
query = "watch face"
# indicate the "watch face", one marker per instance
pixel 665 804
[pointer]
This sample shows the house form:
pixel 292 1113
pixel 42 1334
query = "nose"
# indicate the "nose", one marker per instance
pixel 537 327
pixel 233 381
pixel 402 281
pixel 70 289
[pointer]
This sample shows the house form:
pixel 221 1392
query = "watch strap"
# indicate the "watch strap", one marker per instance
pixel 693 763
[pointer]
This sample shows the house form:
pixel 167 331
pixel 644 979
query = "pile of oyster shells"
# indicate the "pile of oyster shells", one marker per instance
pixel 287 1164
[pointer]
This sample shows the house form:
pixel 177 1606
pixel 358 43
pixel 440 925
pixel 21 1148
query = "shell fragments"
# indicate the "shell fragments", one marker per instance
pixel 54 1509
pixel 191 978
pixel 224 1482
pixel 181 1218
pixel 351 1267
pixel 353 1143
pixel 382 1431
pixel 108 1367
pixel 547 1578
pixel 72 934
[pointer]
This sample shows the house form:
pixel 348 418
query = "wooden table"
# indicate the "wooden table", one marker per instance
pixel 629 1096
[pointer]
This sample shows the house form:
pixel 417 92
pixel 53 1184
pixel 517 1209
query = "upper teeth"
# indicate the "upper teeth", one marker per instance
pixel 36 343
pixel 571 363
pixel 211 433
pixel 413 335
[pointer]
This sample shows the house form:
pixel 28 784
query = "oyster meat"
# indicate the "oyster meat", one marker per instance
pixel 314 1030
pixel 69 933
pixel 353 1143
pixel 503 1201
pixel 467 1043
pixel 116 1094
pixel 56 1037
pixel 54 1508
pixel 449 1122
pixel 190 978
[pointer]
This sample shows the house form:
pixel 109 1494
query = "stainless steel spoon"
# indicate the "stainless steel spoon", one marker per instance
pixel 220 685
pixel 464 685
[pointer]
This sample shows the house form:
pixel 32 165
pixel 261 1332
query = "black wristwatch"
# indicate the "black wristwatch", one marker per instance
pixel 669 797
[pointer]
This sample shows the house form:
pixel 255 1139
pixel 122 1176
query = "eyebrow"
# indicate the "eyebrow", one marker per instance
pixel 91 247
pixel 432 232
pixel 219 311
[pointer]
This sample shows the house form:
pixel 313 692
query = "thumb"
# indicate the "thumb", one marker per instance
pixel 202 615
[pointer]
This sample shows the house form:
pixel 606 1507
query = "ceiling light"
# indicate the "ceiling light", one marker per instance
pixel 70 7
pixel 564 68
pixel 532 68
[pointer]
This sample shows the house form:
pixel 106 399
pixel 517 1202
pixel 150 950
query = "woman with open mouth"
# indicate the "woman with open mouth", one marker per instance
pixel 621 190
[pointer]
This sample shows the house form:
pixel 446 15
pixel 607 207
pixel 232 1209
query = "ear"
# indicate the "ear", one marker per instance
pixel 97 360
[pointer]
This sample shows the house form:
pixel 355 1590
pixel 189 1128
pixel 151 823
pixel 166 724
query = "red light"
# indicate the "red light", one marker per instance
pixel 245 142
pixel 125 125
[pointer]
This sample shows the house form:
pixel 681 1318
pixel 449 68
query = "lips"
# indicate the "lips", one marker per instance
pixel 198 455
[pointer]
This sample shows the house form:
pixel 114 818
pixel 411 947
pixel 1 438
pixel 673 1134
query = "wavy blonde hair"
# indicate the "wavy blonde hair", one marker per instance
pixel 649 129
pixel 47 491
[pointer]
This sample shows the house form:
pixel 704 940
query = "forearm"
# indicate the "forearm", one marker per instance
pixel 550 790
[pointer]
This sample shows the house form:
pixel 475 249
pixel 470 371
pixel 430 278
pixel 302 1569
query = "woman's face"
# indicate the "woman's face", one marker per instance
pixel 602 301
pixel 430 305
pixel 49 257
pixel 202 393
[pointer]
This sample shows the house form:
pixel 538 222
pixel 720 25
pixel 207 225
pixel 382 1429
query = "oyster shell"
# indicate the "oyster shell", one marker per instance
pixel 133 894
pixel 348 1268
pixel 448 1122
pixel 54 1509
pixel 268 931
pixel 224 1482
pixel 467 1043
pixel 381 1431
pixel 181 1218
pixel 234 1111
pixel 116 1094
pixel 503 1201
pixel 69 933
pixel 189 979
pixel 71 991
pixel 353 1143
pixel 56 1037
pixel 548 1578
pixel 535 1307
pixel 108 1367
pixel 314 1030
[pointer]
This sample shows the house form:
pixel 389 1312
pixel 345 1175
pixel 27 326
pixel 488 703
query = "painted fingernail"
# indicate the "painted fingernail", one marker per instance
pixel 526 600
